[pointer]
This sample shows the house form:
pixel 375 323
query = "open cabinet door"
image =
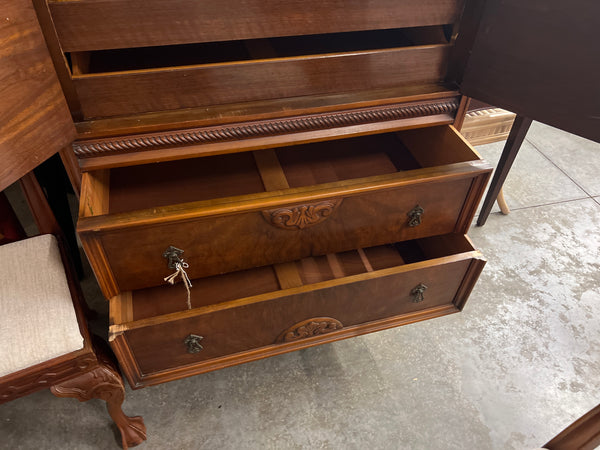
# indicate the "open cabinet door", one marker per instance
pixel 35 121
pixel 537 58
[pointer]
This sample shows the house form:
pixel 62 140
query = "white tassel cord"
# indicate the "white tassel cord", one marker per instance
pixel 172 279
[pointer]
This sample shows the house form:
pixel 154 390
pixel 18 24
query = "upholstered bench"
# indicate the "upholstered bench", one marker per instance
pixel 38 321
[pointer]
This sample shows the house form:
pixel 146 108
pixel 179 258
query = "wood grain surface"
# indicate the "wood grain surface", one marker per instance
pixel 248 324
pixel 93 25
pixel 34 119
pixel 140 91
pixel 366 192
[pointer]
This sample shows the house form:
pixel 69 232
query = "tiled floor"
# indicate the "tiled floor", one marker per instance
pixel 518 365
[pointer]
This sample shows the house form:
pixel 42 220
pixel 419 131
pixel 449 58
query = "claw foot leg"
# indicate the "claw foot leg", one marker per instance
pixel 105 383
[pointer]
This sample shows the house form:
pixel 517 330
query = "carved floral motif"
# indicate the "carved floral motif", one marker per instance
pixel 301 216
pixel 310 328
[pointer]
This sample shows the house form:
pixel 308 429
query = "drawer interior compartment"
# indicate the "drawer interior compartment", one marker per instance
pixel 136 80
pixel 354 292
pixel 219 177
pixel 93 25
pixel 287 203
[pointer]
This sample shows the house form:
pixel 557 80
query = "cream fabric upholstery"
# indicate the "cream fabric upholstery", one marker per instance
pixel 37 319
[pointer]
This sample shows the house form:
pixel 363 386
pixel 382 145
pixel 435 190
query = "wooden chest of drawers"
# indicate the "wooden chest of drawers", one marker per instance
pixel 302 155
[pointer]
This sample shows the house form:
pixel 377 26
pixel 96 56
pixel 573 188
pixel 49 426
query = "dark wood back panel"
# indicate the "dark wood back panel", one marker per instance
pixel 95 25
pixel 537 58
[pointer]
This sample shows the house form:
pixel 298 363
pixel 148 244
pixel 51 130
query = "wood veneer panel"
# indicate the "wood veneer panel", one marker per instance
pixel 236 233
pixel 93 25
pixel 225 243
pixel 306 165
pixel 258 324
pixel 437 146
pixel 35 121
pixel 148 186
pixel 151 302
pixel 122 93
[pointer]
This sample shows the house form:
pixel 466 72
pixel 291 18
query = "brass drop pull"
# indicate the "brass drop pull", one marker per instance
pixel 417 293
pixel 414 216
pixel 193 343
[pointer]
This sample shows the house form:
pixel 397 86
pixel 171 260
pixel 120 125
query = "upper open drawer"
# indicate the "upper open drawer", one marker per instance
pixel 232 212
pixel 161 78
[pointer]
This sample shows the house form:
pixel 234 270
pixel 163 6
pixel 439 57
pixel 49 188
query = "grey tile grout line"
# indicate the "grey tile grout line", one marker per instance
pixel 559 168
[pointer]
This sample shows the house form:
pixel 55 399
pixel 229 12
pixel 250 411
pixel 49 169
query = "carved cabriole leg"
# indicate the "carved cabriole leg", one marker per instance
pixel 105 383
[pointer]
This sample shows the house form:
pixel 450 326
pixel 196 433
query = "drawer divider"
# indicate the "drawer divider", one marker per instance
pixel 270 170
pixel 287 275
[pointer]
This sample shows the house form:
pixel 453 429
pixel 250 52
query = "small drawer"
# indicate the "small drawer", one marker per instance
pixel 233 212
pixel 265 311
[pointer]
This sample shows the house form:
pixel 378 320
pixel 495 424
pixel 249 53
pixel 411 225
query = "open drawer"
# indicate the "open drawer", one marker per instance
pixel 233 212
pixel 140 80
pixel 260 312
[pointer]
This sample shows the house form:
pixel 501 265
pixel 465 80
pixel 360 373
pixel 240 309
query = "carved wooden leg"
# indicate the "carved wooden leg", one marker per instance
pixel 105 383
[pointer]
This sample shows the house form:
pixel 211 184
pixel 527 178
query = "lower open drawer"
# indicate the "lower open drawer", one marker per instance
pixel 252 314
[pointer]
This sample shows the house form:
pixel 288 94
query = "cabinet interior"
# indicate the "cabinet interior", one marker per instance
pixel 219 289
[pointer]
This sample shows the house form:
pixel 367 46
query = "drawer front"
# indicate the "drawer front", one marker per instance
pixel 293 317
pixel 132 258
pixel 93 25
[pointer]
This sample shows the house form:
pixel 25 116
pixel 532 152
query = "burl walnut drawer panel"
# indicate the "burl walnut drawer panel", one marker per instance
pixel 260 312
pixel 94 25
pixel 233 212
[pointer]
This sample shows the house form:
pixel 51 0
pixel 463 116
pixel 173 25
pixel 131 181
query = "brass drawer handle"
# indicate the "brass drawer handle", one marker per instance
pixel 414 216
pixel 193 343
pixel 417 293
pixel 301 216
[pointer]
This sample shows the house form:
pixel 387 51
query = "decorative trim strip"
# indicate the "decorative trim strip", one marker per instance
pixel 309 328
pixel 271 127
pixel 301 216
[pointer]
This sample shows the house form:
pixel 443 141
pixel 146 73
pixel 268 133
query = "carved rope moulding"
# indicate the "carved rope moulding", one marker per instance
pixel 271 127
pixel 309 328
pixel 301 216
